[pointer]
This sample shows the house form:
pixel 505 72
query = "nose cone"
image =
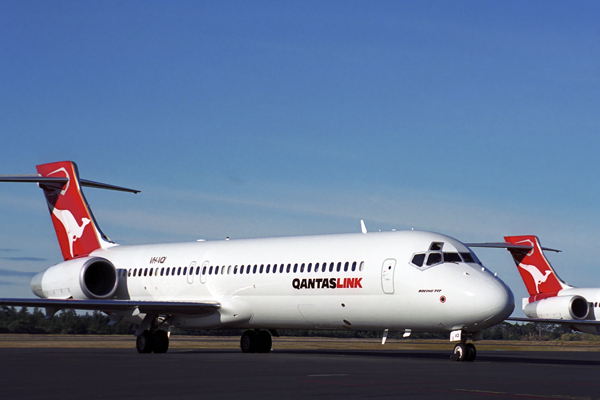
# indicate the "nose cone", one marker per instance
pixel 494 301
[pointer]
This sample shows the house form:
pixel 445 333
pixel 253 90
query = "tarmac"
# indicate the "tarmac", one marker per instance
pixel 66 373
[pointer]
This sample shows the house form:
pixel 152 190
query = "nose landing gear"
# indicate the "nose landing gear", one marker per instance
pixel 464 352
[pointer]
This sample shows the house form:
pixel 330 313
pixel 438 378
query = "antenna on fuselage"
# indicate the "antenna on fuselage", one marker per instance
pixel 363 228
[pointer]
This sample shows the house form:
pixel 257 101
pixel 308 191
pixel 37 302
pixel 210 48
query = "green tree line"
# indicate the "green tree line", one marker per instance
pixel 21 320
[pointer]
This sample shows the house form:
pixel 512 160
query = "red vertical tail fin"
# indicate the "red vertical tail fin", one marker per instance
pixel 77 232
pixel 535 269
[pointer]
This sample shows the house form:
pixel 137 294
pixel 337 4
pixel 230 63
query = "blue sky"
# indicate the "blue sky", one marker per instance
pixel 250 119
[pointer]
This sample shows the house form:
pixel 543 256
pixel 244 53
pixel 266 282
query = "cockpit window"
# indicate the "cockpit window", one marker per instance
pixel 467 257
pixel 418 259
pixel 434 258
pixel 436 246
pixel 452 257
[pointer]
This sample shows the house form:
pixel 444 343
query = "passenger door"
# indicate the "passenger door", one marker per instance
pixel 387 275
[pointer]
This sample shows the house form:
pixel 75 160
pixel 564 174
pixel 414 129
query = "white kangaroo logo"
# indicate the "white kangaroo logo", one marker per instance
pixel 535 273
pixel 72 228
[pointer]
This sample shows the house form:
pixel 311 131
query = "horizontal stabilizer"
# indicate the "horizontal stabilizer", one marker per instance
pixel 60 180
pixel 504 245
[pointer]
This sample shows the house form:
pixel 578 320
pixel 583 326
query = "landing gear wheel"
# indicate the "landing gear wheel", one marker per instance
pixel 264 342
pixel 161 341
pixel 145 342
pixel 461 352
pixel 249 342
pixel 472 352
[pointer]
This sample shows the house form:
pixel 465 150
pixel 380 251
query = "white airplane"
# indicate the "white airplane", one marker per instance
pixel 550 299
pixel 405 281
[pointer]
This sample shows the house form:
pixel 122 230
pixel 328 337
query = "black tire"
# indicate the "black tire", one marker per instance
pixel 461 352
pixel 161 341
pixel 264 342
pixel 249 342
pixel 145 342
pixel 472 352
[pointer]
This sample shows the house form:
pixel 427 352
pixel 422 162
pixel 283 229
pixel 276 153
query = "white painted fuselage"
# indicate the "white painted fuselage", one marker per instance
pixel 346 281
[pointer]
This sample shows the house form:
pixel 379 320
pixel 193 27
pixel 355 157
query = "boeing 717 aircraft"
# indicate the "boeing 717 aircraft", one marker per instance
pixel 404 281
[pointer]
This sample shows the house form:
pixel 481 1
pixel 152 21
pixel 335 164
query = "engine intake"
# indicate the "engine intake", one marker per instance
pixel 80 278
pixel 560 307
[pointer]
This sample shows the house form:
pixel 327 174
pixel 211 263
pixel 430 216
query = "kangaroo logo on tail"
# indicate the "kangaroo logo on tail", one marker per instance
pixel 537 273
pixel 70 213
pixel 69 210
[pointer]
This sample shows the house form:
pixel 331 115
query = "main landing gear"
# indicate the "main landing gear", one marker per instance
pixel 151 339
pixel 256 341
pixel 464 352
pixel 157 342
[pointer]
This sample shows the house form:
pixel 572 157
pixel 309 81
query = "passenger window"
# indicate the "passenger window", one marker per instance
pixel 268 268
pixel 197 270
pixel 134 271
pixel 145 271
pixel 346 267
pixel 185 270
pixel 289 268
pixel 317 267
pixel 281 269
pixel 434 258
pixel 295 268
pixel 129 273
pixel 235 270
pixel 203 270
pixel 262 266
pixel 418 259
pixel 179 271
pixel 162 271
pixel 302 268
pixel 362 266
pixel 254 269
pixel 339 266
pixel 308 267
pixel 150 272
pixel 452 257
pixel 331 267
pixel 209 270
pixel 354 266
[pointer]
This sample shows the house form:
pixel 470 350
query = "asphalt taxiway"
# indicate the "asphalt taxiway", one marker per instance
pixel 295 374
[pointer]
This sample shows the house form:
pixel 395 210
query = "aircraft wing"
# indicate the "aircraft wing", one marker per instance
pixel 144 307
pixel 557 321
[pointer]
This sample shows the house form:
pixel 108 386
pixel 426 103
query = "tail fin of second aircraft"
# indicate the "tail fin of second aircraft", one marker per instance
pixel 535 269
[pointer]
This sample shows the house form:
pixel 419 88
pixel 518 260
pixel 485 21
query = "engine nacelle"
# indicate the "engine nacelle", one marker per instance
pixel 560 307
pixel 79 278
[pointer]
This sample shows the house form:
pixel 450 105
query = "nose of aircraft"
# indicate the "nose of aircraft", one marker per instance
pixel 494 299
